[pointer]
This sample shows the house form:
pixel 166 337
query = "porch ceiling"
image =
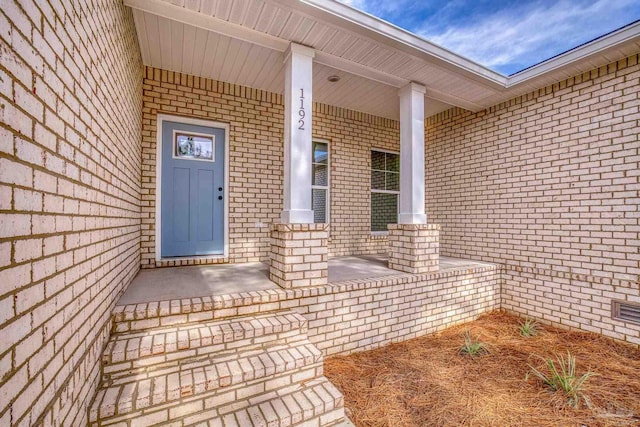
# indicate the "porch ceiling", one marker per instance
pixel 243 41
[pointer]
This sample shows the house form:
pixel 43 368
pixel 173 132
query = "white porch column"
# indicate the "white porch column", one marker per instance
pixel 412 155
pixel 297 135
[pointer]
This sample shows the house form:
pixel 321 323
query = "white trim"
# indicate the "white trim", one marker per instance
pixel 327 187
pixel 404 40
pixel 160 119
pixel 576 54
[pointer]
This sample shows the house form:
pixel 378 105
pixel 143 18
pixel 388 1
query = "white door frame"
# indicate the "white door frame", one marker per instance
pixel 161 118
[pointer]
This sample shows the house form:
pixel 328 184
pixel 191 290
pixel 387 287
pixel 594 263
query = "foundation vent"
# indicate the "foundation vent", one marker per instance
pixel 626 311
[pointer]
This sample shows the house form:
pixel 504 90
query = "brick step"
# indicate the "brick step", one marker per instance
pixel 317 403
pixel 128 352
pixel 148 315
pixel 314 403
pixel 241 374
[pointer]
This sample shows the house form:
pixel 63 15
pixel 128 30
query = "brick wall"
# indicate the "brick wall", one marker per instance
pixel 547 184
pixel 255 158
pixel 70 99
pixel 344 317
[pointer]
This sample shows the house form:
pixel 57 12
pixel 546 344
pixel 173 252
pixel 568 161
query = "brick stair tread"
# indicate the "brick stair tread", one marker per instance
pixel 134 345
pixel 196 376
pixel 292 406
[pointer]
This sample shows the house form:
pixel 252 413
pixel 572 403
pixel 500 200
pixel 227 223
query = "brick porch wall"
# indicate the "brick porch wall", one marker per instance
pixel 548 185
pixel 70 100
pixel 344 317
pixel 255 159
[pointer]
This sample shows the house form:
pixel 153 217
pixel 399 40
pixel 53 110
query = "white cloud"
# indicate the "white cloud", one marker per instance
pixel 526 35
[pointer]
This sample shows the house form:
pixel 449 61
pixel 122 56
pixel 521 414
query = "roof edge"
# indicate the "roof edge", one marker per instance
pixel 412 40
pixel 583 51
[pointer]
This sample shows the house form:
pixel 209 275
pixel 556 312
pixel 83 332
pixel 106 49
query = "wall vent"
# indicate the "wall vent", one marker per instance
pixel 626 311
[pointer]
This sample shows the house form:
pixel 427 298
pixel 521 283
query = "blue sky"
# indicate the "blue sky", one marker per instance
pixel 505 35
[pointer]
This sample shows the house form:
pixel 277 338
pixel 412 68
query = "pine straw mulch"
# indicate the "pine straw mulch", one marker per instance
pixel 426 382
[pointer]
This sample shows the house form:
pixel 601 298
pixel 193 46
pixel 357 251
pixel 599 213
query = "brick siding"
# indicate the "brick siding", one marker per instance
pixel 344 317
pixel 256 120
pixel 70 100
pixel 548 185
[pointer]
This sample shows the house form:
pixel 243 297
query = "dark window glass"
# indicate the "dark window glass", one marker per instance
pixel 384 210
pixel 319 200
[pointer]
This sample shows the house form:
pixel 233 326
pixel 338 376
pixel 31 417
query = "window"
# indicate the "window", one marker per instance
pixel 320 182
pixel 385 189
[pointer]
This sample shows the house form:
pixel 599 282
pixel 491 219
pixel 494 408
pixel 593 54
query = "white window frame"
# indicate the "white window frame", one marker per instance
pixel 397 192
pixel 327 212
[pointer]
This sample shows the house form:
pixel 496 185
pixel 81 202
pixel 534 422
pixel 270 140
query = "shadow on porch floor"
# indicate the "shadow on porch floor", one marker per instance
pixel 206 280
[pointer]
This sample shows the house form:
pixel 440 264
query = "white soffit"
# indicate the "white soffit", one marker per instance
pixel 242 41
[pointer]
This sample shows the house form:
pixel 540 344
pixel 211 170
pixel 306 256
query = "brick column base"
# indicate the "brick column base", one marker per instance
pixel 299 254
pixel 414 248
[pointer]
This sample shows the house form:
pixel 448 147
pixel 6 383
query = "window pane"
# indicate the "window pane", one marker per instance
pixel 320 152
pixel 377 180
pixel 384 210
pixel 393 181
pixel 320 175
pixel 377 160
pixel 319 200
pixel 393 162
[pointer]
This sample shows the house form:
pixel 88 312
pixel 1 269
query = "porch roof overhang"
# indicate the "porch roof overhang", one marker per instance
pixel 243 42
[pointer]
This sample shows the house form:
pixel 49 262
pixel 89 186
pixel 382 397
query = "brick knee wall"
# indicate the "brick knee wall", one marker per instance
pixel 70 100
pixel 547 184
pixel 299 255
pixel 414 248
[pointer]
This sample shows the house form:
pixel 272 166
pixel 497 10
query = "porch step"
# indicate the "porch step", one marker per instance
pixel 317 403
pixel 258 370
pixel 314 403
pixel 134 351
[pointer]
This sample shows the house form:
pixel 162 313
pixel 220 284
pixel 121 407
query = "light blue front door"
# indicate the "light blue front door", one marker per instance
pixel 192 195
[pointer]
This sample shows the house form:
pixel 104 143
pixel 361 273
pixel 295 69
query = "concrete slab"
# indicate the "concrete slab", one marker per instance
pixel 204 280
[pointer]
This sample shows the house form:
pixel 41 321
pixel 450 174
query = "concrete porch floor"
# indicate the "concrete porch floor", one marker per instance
pixel 205 280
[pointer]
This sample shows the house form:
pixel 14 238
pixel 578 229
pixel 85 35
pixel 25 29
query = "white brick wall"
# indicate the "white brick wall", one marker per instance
pixel 547 184
pixel 70 100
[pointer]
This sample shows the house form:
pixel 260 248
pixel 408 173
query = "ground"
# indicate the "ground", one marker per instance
pixel 427 382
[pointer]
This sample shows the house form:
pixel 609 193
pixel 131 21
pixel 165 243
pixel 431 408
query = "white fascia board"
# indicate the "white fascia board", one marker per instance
pixel 207 22
pixel 595 47
pixel 405 38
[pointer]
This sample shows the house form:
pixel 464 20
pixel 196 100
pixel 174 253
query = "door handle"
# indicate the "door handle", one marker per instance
pixel 219 188
pixel 219 197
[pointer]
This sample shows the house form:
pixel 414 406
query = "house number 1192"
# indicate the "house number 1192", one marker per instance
pixel 301 112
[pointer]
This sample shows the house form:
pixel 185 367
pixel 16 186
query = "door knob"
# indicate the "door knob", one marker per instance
pixel 219 197
pixel 219 188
